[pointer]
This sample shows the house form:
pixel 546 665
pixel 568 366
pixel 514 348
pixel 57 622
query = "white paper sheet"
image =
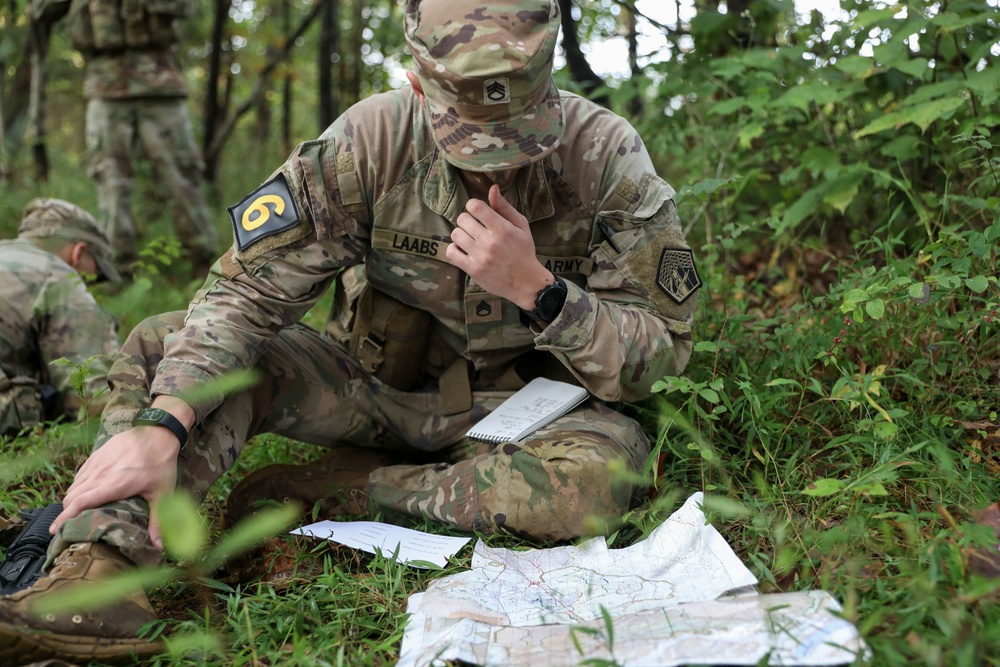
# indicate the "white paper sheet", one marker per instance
pixel 680 596
pixel 371 536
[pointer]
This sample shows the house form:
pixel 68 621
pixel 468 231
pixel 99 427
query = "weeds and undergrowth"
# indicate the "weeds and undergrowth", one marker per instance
pixel 826 432
pixel 840 409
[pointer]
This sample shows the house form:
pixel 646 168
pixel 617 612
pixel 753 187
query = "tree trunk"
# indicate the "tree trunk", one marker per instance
pixel 749 24
pixel 358 24
pixel 286 89
pixel 744 32
pixel 226 129
pixel 328 40
pixel 579 68
pixel 212 115
pixel 39 46
pixel 15 108
pixel 4 169
pixel 262 123
pixel 352 61
pixel 635 106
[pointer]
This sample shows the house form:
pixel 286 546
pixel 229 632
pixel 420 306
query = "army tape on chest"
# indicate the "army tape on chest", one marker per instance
pixel 385 239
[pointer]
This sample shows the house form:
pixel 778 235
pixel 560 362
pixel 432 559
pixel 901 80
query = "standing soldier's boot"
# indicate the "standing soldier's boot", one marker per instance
pixel 109 634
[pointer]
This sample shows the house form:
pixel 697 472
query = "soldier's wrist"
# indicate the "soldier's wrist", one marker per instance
pixel 161 419
pixel 530 289
pixel 178 407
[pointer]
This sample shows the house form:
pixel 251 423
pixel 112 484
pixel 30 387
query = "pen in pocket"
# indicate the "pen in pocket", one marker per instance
pixel 609 234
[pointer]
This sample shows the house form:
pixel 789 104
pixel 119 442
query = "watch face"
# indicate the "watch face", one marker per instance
pixel 160 417
pixel 549 303
pixel 551 300
pixel 149 414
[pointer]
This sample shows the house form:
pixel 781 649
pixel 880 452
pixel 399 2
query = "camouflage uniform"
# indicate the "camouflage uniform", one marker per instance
pixel 375 190
pixel 136 100
pixel 48 314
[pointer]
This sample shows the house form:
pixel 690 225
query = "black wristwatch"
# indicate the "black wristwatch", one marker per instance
pixel 549 302
pixel 160 417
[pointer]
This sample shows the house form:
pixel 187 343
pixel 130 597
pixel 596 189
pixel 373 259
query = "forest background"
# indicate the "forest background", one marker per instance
pixel 838 177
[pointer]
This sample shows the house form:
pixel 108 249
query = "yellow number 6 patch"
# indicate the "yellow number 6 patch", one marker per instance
pixel 267 211
pixel 259 206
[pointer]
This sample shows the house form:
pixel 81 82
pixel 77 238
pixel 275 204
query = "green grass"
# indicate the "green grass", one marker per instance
pixel 801 475
pixel 822 414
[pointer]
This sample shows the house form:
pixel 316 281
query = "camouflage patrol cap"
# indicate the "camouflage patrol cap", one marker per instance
pixel 46 217
pixel 486 71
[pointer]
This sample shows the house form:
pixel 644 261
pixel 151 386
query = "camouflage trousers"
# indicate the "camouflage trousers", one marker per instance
pixel 567 479
pixel 116 132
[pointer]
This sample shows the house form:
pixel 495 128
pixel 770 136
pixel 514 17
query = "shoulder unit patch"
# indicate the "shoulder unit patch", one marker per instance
pixel 676 274
pixel 268 210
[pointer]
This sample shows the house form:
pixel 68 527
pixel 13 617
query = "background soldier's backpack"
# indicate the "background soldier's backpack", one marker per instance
pixel 20 404
pixel 108 26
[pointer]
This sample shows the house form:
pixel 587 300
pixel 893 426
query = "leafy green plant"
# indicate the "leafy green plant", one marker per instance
pixel 78 382
pixel 157 255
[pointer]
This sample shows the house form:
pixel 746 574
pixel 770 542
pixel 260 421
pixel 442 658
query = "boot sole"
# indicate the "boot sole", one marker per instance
pixel 19 646
pixel 310 484
pixel 303 488
pixel 300 473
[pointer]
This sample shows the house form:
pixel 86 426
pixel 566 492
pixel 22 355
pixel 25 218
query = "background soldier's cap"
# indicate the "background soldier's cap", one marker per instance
pixel 46 217
pixel 486 71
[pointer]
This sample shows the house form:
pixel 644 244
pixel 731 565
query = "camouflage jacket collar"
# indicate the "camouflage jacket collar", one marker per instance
pixel 444 193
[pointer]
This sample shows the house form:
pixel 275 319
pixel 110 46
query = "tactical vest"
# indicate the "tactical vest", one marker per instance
pixel 401 344
pixel 109 26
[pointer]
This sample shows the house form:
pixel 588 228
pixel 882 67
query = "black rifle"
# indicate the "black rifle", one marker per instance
pixel 26 555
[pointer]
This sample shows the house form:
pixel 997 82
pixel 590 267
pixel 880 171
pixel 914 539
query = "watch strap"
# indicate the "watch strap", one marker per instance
pixel 160 417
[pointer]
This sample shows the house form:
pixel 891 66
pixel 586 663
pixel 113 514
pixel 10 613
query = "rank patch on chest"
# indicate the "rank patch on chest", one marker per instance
pixel 676 275
pixel 268 210
pixel 481 307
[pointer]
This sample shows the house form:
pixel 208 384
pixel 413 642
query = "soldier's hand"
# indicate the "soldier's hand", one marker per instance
pixel 139 462
pixel 492 243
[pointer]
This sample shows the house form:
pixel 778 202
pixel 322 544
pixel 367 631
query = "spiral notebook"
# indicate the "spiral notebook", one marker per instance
pixel 538 403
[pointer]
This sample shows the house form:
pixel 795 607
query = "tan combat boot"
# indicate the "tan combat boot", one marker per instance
pixel 338 481
pixel 105 635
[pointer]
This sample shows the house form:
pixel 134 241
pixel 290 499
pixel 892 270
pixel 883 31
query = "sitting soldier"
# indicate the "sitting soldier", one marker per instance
pixel 521 230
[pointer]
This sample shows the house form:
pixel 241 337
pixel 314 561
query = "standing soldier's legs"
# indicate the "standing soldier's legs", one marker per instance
pixel 168 139
pixel 111 133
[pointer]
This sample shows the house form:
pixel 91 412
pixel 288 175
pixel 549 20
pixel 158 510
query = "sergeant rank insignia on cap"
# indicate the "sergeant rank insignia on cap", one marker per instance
pixel 496 91
pixel 268 210
pixel 677 275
